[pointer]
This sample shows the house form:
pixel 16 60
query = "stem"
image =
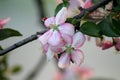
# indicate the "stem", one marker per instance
pixel 21 43
pixel 91 9
pixel 34 37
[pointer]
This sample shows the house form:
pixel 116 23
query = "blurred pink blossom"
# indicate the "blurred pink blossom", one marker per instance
pixel 74 73
pixel 72 51
pixel 3 22
pixel 84 72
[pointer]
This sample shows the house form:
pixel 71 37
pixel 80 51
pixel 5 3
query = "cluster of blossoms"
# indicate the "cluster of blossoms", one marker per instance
pixel 62 40
pixel 74 73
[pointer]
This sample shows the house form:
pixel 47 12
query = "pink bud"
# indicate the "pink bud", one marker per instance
pixel 3 22
pixel 117 44
pixel 88 4
pixel 106 44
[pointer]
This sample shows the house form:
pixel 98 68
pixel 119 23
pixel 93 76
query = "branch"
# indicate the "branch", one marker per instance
pixel 34 37
pixel 21 43
pixel 91 9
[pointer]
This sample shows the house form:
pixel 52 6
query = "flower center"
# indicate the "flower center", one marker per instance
pixel 69 49
pixel 53 26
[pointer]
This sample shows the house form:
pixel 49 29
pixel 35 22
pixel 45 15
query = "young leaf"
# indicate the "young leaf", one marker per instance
pixel 7 32
pixel 90 29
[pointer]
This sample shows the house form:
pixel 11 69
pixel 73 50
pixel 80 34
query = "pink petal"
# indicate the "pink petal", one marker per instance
pixel 67 38
pixel 64 60
pixel 78 40
pixel 49 21
pixel 61 16
pixel 55 39
pixel 3 22
pixel 67 28
pixel 44 38
pixel 77 56
pixel 57 49
pixel 49 54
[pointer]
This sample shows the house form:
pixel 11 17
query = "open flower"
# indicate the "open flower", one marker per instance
pixel 3 22
pixel 59 32
pixel 72 51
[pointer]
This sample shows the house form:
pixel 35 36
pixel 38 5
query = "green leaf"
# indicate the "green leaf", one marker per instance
pixel 7 32
pixel 90 29
pixel 59 7
pixel 116 24
pixel 16 69
pixel 117 8
pixel 107 28
pixel 95 1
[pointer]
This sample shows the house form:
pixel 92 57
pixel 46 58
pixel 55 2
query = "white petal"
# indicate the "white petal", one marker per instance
pixel 61 16
pixel 78 40
pixel 49 21
pixel 55 39
pixel 44 38
pixel 77 56
pixel 64 60
pixel 49 54
pixel 67 28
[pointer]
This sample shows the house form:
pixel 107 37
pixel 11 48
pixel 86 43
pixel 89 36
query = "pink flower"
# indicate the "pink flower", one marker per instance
pixel 72 51
pixel 58 34
pixel 3 22
pixel 106 44
pixel 117 44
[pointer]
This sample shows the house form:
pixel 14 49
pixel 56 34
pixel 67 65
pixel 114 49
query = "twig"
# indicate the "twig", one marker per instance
pixel 33 37
pixel 22 42
pixel 91 9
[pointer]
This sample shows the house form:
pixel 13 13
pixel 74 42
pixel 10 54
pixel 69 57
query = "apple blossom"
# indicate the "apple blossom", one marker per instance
pixel 72 51
pixel 58 34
